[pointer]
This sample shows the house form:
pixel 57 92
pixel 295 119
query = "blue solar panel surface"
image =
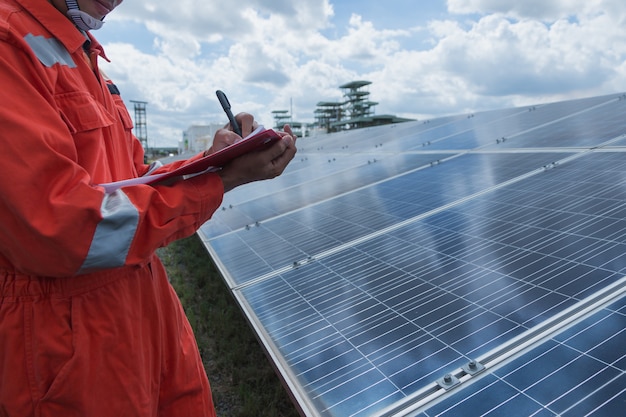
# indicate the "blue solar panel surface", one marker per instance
pixel 579 372
pixel 385 259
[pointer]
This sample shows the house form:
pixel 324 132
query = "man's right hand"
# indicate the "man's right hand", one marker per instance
pixel 260 165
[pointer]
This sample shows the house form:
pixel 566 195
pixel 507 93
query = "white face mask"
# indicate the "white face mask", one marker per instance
pixel 81 19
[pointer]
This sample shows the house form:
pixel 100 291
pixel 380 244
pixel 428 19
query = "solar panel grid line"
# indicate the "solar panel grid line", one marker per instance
pixel 569 246
pixel 471 255
pixel 537 124
pixel 325 346
pixel 513 271
pixel 506 353
pixel 284 307
pixel 613 405
pixel 371 343
pixel 528 321
pixel 518 112
pixel 615 339
pixel 373 135
pixel 294 327
pixel 573 385
pixel 370 405
pixel 544 393
pixel 430 129
pixel 332 384
pixel 285 213
pixel 584 400
pixel 574 390
pixel 301 401
pixel 471 127
pixel 556 323
pixel 290 318
pixel 342 377
pixel 531 282
pixel 401 224
pixel 487 409
pixel 546 150
pixel 412 340
pixel 317 330
pixel 329 348
pixel 399 337
pixel 494 138
pixel 332 359
pixel 332 310
pixel 572 135
pixel 428 365
pixel 408 300
pixel 333 381
pixel 344 382
pixel 513 236
pixel 316 308
pixel 537 127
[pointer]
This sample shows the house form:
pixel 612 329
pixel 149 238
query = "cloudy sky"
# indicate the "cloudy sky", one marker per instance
pixel 425 58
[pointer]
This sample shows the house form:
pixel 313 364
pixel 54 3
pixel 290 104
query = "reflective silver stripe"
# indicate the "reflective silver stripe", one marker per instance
pixel 49 51
pixel 114 234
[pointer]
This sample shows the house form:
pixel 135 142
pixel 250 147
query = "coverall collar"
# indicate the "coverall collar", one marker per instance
pixel 59 25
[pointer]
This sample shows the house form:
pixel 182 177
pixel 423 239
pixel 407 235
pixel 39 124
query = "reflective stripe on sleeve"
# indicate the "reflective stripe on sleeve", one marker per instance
pixel 114 234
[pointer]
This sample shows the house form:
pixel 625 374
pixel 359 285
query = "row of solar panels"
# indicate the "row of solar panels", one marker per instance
pixel 468 265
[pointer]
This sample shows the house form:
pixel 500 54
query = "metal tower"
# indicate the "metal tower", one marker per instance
pixel 141 124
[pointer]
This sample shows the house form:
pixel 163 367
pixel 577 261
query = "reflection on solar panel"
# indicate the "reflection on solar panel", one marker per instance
pixel 465 266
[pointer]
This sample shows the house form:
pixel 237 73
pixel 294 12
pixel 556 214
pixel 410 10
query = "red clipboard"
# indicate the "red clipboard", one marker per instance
pixel 257 140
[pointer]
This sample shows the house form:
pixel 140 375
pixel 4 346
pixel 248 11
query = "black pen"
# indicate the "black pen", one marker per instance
pixel 226 106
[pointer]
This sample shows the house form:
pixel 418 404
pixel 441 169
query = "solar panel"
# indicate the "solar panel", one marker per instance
pixel 577 372
pixel 471 265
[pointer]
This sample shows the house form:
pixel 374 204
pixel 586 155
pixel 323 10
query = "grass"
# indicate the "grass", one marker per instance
pixel 242 380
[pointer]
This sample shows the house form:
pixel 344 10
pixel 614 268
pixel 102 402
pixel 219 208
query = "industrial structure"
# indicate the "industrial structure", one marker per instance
pixel 141 124
pixel 283 117
pixel 356 111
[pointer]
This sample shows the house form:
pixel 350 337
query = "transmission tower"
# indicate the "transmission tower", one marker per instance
pixel 141 124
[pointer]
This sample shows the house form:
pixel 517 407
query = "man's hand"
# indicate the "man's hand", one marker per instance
pixel 261 165
pixel 225 136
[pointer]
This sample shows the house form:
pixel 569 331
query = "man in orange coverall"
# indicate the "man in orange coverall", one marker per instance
pixel 89 325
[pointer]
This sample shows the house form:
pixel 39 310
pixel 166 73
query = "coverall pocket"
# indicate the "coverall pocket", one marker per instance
pixel 50 327
pixel 121 108
pixel 81 112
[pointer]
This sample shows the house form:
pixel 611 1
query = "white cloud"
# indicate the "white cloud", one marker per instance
pixel 213 20
pixel 537 9
pixel 495 61
pixel 267 54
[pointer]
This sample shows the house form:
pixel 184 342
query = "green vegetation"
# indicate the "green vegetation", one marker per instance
pixel 242 379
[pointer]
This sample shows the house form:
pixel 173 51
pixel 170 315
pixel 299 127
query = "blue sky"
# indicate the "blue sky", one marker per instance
pixel 425 58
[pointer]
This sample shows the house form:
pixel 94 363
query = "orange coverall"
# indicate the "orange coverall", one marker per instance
pixel 89 325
